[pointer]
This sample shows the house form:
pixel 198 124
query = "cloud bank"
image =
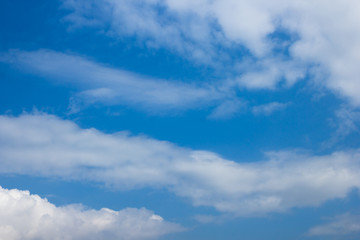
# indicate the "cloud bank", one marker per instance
pixel 28 217
pixel 44 145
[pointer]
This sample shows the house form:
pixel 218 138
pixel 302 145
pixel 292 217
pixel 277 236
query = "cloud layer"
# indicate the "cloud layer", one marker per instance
pixel 44 145
pixel 28 217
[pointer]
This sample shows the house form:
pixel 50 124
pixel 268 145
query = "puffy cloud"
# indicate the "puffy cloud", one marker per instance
pixel 29 217
pixel 320 36
pixel 44 145
pixel 99 83
pixel 269 108
pixel 341 225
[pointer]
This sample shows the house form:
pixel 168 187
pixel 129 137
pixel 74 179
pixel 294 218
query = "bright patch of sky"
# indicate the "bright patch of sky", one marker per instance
pixel 152 119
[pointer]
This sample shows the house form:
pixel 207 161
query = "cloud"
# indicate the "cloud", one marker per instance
pixel 346 122
pixel 100 83
pixel 44 145
pixel 189 28
pixel 269 108
pixel 269 73
pixel 320 37
pixel 227 109
pixel 150 21
pixel 29 217
pixel 340 225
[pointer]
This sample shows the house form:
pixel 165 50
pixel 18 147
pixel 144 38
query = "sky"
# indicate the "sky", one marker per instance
pixel 169 119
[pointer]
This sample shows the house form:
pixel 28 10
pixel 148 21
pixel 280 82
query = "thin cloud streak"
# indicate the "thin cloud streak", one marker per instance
pixel 109 86
pixel 268 108
pixel 345 224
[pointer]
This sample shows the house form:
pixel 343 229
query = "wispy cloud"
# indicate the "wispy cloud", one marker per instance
pixel 25 216
pixel 346 122
pixel 227 109
pixel 269 108
pixel 345 224
pixel 148 20
pixel 100 83
pixel 44 145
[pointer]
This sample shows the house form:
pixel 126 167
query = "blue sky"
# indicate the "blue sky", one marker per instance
pixel 151 119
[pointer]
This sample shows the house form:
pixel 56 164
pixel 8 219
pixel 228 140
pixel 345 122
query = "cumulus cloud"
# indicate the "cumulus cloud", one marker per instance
pixel 269 108
pixel 340 225
pixel 99 83
pixel 320 36
pixel 29 217
pixel 44 145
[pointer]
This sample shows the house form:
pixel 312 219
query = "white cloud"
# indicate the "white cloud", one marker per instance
pixel 185 34
pixel 269 73
pixel 326 36
pixel 44 145
pixel 29 217
pixel 341 225
pixel 269 108
pixel 99 83
pixel 332 42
